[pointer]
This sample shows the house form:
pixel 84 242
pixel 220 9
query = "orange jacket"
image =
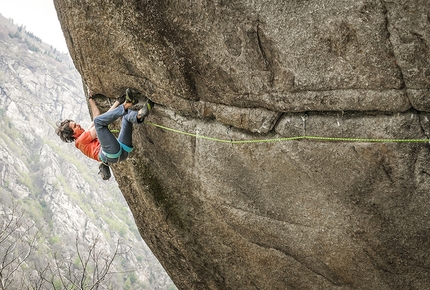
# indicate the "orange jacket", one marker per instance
pixel 89 146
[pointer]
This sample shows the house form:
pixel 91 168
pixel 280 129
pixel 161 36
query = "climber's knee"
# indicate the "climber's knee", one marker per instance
pixel 98 122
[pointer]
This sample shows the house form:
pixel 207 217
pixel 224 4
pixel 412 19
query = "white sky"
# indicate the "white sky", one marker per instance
pixel 39 17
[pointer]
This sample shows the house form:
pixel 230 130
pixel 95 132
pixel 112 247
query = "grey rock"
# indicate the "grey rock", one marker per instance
pixel 300 214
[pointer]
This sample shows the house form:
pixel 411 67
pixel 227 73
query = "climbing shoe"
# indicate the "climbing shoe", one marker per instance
pixel 145 110
pixel 121 99
pixel 129 97
pixel 104 171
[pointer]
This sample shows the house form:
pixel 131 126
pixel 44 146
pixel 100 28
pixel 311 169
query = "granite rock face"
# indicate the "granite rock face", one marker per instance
pixel 272 215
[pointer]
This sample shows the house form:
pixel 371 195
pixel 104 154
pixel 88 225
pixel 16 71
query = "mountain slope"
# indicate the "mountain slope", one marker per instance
pixel 50 182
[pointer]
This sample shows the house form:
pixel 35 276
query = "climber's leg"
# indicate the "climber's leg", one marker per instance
pixel 133 117
pixel 108 141
pixel 125 134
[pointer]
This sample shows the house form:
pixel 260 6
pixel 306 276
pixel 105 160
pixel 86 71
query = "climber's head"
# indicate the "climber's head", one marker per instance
pixel 68 130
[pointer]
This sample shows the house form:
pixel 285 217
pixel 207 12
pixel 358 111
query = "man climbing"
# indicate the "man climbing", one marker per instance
pixel 98 142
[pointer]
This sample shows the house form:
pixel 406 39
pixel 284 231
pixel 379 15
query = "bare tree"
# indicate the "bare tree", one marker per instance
pixel 18 236
pixel 89 269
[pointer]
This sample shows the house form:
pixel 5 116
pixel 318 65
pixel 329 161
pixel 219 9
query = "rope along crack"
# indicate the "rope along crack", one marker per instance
pixel 318 138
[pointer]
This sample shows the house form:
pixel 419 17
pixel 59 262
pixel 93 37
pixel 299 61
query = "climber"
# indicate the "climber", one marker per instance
pixel 98 142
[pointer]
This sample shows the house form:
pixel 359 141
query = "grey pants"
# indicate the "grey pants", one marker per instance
pixel 110 145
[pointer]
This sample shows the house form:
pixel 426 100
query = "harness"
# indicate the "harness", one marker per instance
pixel 116 155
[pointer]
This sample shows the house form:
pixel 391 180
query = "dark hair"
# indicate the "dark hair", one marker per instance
pixel 64 131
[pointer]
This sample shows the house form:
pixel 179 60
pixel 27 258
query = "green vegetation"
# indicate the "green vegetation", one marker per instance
pixel 69 158
pixel 15 35
pixel 31 46
pixel 26 181
pixel 54 240
pixel 34 210
pixel 32 42
pixel 33 36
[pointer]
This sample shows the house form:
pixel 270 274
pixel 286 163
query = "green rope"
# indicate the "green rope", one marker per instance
pixel 319 138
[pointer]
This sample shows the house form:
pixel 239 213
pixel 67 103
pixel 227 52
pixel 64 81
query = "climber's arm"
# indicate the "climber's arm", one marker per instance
pixel 96 112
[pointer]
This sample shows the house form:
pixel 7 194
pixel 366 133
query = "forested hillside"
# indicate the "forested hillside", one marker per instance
pixel 60 224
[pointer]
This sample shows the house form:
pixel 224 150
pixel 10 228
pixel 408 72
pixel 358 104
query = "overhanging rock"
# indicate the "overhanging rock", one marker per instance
pixel 275 215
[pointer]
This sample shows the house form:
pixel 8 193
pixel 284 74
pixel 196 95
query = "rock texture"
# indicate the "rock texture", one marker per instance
pixel 283 215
